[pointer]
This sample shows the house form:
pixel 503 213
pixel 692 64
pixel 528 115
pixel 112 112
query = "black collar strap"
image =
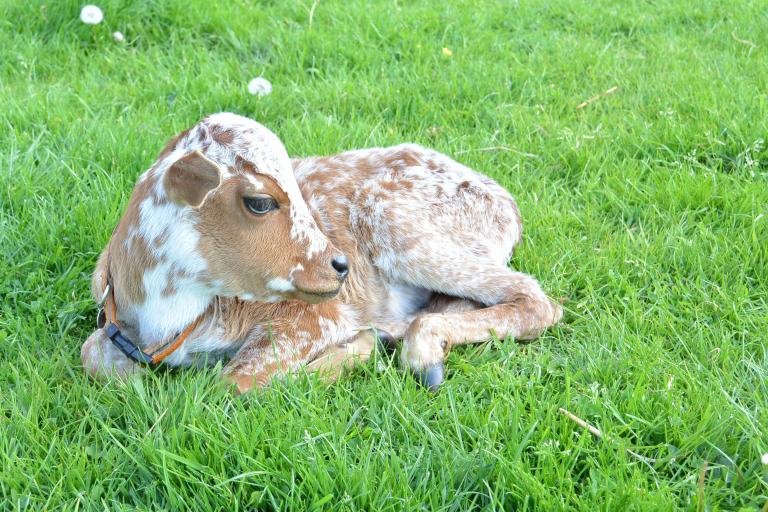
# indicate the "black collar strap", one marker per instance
pixel 128 347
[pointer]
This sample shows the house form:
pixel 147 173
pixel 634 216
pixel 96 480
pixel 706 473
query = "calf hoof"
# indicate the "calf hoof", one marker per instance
pixel 430 376
pixel 386 341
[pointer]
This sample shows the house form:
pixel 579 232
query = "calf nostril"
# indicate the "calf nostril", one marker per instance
pixel 341 265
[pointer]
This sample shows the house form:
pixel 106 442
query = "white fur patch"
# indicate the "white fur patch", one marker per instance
pixel 164 315
pixel 278 284
pixel 170 234
pixel 304 229
pixel 174 224
pixel 256 183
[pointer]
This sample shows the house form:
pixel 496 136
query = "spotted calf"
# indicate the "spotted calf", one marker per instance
pixel 279 264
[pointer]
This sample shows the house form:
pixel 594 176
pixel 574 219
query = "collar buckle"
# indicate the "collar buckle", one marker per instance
pixel 127 347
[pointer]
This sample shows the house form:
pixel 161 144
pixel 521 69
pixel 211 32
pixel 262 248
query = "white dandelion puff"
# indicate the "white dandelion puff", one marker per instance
pixel 259 86
pixel 764 459
pixel 91 15
pixel 118 36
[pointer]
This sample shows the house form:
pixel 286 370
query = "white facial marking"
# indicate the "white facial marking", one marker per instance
pixel 304 229
pixel 278 284
pixel 256 183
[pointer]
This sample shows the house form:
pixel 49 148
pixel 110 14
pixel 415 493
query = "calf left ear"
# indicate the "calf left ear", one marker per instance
pixel 189 180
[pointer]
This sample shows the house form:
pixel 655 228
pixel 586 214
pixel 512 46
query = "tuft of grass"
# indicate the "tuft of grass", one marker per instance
pixel 647 209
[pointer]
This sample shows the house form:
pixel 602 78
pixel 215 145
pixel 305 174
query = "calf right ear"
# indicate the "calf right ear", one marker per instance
pixel 189 180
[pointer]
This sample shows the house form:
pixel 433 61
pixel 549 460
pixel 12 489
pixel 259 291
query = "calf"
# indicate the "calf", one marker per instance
pixel 229 249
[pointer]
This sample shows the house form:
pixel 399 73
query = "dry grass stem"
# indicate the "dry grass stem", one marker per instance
pixel 702 478
pixel 597 97
pixel 596 432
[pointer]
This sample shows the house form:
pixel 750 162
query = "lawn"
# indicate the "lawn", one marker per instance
pixel 645 210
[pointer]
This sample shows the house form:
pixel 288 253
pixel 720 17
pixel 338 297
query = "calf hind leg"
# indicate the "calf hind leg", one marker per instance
pixel 520 310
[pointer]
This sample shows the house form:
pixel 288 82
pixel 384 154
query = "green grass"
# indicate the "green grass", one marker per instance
pixel 648 209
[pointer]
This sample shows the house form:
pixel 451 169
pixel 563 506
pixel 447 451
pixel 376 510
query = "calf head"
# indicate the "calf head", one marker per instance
pixel 223 208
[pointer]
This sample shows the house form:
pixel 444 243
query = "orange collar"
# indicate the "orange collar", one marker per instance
pixel 108 317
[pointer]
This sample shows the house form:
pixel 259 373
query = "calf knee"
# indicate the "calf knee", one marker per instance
pixel 425 343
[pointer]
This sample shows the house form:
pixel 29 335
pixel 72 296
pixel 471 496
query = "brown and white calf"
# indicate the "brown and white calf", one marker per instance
pixel 276 263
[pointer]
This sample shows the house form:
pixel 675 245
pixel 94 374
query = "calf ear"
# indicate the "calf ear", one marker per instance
pixel 189 180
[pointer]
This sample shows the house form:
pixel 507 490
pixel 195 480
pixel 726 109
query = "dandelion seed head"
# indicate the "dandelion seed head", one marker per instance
pixel 91 15
pixel 259 86
pixel 118 36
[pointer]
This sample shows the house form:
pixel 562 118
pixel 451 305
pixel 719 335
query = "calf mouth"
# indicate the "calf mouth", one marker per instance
pixel 314 297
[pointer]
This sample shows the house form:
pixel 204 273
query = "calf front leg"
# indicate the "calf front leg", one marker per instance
pixel 337 359
pixel 257 362
pixel 326 337
pixel 256 366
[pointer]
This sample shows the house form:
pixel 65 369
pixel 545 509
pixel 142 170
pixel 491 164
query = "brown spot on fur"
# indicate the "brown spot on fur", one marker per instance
pixel 158 242
pixel 409 157
pixel 389 185
pixel 243 165
pixel 169 289
pixel 224 137
pixel 128 267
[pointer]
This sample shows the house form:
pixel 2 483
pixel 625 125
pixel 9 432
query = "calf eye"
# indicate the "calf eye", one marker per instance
pixel 259 205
